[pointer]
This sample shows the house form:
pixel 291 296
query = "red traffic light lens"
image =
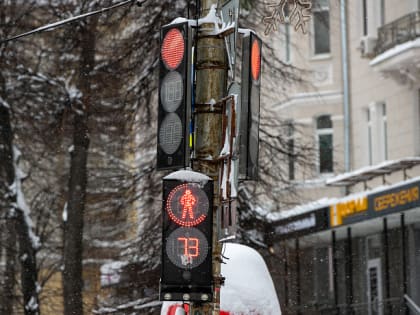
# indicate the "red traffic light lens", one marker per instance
pixel 187 205
pixel 255 60
pixel 173 48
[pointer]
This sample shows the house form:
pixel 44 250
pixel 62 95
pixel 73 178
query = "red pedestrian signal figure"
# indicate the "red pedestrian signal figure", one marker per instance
pixel 187 205
pixel 188 201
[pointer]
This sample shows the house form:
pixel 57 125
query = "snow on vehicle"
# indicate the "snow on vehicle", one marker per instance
pixel 248 288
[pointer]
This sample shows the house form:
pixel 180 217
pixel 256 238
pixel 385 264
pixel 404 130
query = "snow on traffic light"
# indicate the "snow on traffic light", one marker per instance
pixel 250 110
pixel 174 96
pixel 187 217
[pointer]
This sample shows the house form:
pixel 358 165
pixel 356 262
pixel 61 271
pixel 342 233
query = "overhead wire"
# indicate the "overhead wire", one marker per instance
pixel 73 19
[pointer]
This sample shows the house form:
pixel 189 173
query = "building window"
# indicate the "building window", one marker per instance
pixel 369 136
pixel 377 133
pixel 321 24
pixel 384 133
pixel 291 150
pixel 365 17
pixel 325 143
pixel 287 36
pixel 287 44
pixel 373 16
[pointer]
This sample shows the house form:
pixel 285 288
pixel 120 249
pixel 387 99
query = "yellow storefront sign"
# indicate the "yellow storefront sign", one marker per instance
pixel 396 199
pixel 346 209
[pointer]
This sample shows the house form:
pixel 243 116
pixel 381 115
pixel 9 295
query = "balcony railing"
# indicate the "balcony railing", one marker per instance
pixel 402 30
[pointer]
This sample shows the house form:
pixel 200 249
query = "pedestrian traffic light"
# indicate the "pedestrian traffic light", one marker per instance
pixel 186 271
pixel 174 96
pixel 250 107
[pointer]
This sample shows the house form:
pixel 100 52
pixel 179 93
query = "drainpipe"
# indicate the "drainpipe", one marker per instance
pixel 346 95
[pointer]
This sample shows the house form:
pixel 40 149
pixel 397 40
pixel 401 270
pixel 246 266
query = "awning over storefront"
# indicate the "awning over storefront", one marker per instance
pixel 349 210
pixel 370 172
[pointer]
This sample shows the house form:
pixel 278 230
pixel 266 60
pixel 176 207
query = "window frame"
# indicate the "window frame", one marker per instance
pixel 290 140
pixel 324 132
pixel 384 131
pixel 322 8
pixel 369 135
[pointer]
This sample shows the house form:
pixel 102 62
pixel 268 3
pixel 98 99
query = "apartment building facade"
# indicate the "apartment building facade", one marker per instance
pixel 353 245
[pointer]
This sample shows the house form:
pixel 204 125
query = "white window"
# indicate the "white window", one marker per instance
pixel 369 136
pixel 384 132
pixel 325 143
pixel 377 133
pixel 373 16
pixel 321 27
pixel 416 116
pixel 287 42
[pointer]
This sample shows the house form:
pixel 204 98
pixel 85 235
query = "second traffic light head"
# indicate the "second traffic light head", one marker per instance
pixel 174 109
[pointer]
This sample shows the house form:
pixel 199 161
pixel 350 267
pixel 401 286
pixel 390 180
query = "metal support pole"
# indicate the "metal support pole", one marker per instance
pixel 349 273
pixel 286 276
pixel 335 282
pixel 211 84
pixel 404 258
pixel 386 262
pixel 346 84
pixel 298 290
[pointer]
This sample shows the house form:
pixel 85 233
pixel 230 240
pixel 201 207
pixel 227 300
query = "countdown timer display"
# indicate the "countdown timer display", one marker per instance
pixel 187 205
pixel 187 248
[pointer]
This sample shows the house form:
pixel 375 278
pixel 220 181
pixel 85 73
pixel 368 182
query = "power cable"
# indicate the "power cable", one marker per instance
pixel 72 19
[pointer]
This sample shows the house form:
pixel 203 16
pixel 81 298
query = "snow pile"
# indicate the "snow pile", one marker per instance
pixel 21 205
pixel 32 304
pixel 188 176
pixel 372 168
pixel 4 103
pixel 111 272
pixel 211 18
pixel 248 287
pixel 394 51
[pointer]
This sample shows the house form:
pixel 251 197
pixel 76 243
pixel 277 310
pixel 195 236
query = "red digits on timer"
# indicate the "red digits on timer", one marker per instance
pixel 190 246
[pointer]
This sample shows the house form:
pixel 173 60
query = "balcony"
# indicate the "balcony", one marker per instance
pixel 397 51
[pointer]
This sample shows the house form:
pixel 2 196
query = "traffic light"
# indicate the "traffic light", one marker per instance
pixel 174 96
pixel 250 108
pixel 186 271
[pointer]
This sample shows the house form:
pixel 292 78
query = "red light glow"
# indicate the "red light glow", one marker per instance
pixel 255 60
pixel 187 205
pixel 191 246
pixel 188 201
pixel 173 48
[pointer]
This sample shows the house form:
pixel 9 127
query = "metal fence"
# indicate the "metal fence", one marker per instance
pixel 399 31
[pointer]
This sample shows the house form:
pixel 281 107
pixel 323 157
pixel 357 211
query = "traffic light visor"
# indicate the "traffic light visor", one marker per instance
pixel 173 48
pixel 255 60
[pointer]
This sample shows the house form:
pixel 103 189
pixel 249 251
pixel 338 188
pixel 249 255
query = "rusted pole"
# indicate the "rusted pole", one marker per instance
pixel 211 67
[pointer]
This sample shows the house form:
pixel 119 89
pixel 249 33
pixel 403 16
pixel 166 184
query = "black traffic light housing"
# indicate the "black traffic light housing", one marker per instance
pixel 250 107
pixel 187 229
pixel 174 96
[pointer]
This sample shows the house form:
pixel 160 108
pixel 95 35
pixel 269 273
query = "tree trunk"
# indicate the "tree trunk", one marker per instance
pixel 16 227
pixel 7 176
pixel 10 269
pixel 73 231
pixel 27 257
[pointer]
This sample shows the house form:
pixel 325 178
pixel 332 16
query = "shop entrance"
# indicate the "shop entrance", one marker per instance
pixel 374 287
